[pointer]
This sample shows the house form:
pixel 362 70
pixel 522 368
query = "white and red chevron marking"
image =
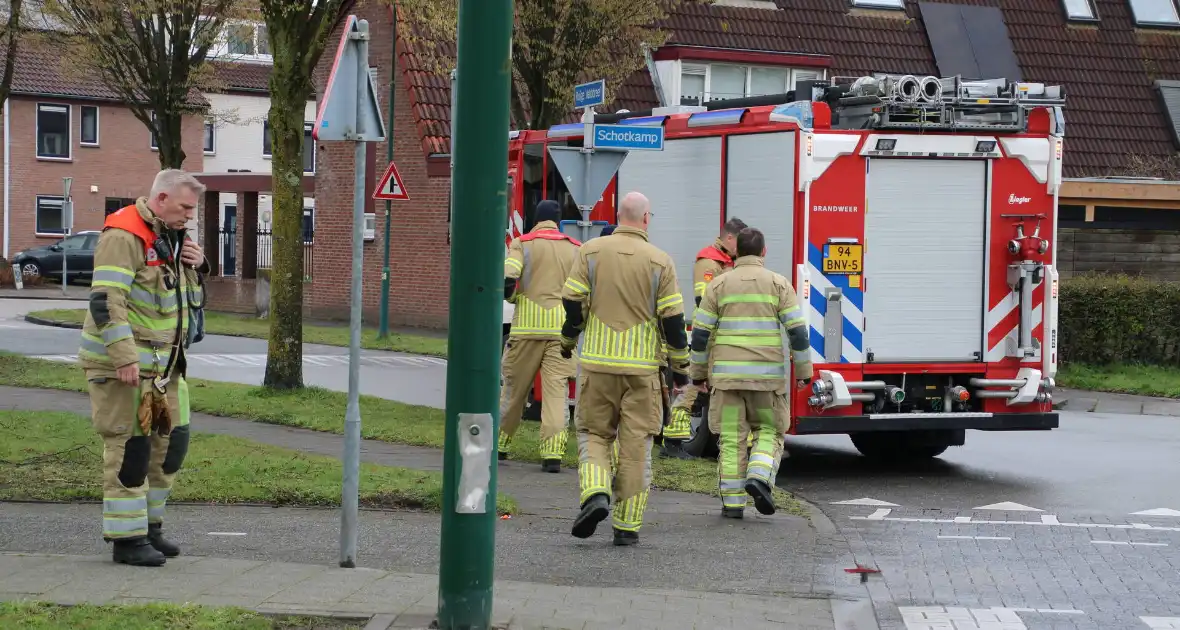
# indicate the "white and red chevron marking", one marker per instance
pixel 1003 322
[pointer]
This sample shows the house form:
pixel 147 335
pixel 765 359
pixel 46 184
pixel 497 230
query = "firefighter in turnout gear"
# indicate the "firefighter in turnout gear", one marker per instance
pixel 534 271
pixel 132 351
pixel 711 262
pixel 623 294
pixel 737 349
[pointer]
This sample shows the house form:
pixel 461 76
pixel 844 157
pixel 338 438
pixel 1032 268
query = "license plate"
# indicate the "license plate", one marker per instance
pixel 843 258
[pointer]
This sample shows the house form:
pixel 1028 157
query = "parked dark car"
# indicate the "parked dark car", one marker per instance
pixel 46 260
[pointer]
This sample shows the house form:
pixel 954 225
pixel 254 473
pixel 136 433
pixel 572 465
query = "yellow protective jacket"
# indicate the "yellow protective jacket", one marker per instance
pixel 139 303
pixel 623 292
pixel 737 331
pixel 539 262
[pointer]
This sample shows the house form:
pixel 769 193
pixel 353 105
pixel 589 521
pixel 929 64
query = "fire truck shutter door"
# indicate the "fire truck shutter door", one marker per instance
pixel 683 183
pixel 760 190
pixel 924 260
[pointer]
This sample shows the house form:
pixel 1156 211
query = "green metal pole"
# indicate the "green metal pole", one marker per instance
pixel 468 533
pixel 383 331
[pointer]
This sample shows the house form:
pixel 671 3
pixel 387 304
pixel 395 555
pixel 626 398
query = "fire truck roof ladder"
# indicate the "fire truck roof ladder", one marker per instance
pixel 933 103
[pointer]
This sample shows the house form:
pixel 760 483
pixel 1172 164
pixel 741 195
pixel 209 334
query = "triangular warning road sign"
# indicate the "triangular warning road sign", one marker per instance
pixel 349 109
pixel 391 187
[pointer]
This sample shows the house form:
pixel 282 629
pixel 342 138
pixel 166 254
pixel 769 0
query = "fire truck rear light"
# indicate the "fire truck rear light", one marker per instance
pixel 960 393
pixel 886 144
pixel 985 146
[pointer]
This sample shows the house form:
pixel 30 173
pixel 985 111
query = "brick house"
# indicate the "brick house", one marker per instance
pixel 59 125
pixel 1119 61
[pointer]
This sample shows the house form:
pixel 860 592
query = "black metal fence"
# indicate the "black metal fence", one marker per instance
pixel 265 253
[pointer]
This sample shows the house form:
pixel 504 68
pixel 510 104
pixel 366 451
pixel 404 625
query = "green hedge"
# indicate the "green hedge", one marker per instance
pixel 1119 319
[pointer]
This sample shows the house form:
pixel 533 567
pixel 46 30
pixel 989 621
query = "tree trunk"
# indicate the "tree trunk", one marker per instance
pixel 284 363
pixel 170 140
pixel 11 43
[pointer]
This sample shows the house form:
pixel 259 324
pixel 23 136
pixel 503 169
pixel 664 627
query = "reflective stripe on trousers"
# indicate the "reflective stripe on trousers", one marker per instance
pixel 124 517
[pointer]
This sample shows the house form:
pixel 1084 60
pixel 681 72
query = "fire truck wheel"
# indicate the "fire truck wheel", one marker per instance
pixel 703 443
pixel 898 446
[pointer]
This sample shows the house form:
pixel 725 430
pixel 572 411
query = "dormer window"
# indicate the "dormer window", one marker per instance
pixel 242 41
pixel 701 83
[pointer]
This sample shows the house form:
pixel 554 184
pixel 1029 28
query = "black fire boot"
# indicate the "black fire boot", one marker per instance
pixel 137 552
pixel 729 512
pixel 594 510
pixel 501 455
pixel 763 499
pixel 161 544
pixel 551 465
pixel 674 449
pixel 625 539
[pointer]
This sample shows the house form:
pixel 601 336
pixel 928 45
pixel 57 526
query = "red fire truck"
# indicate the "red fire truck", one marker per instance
pixel 916 218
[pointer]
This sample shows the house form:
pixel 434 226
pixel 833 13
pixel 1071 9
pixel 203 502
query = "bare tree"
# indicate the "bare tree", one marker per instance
pixel 10 39
pixel 298 31
pixel 151 53
pixel 555 45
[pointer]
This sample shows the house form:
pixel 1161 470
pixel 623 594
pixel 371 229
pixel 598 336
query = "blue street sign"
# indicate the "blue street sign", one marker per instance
pixel 631 137
pixel 590 94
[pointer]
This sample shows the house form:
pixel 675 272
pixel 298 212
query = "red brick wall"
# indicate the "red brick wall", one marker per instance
pixel 420 253
pixel 122 166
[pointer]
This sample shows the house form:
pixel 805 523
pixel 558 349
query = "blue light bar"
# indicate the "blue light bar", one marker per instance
pixel 651 121
pixel 568 129
pixel 719 117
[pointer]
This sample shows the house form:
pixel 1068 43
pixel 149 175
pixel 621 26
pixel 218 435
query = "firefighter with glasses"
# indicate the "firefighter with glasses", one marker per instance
pixel 133 339
pixel 623 294
pixel 534 272
pixel 737 349
pixel 711 262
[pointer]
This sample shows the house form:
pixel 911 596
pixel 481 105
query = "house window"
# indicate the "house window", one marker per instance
pixel 1155 12
pixel 210 138
pixel 879 4
pixel 49 215
pixel 308 145
pixel 702 83
pixel 88 134
pixel 155 140
pixel 308 226
pixel 53 131
pixel 115 204
pixel 308 148
pixel 1079 10
pixel 247 40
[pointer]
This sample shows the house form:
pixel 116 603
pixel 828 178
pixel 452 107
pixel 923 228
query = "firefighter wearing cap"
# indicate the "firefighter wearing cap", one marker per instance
pixel 132 352
pixel 737 350
pixel 534 271
pixel 711 262
pixel 623 294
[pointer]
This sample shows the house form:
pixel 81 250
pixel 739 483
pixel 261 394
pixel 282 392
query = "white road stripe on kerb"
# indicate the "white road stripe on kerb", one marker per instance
pixel 227 533
pixel 882 515
pixel 1162 623
pixel 1126 542
pixel 975 537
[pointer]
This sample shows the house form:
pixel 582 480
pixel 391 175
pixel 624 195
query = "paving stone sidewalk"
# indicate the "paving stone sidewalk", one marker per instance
pixel 394 600
pixel 1103 402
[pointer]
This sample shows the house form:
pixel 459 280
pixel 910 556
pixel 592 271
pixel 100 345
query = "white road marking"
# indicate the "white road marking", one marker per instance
pixel 227 533
pixel 1162 623
pixel 865 501
pixel 956 618
pixel 1157 512
pixel 1125 543
pixel 880 515
pixel 976 537
pixel 1008 506
pixel 1050 519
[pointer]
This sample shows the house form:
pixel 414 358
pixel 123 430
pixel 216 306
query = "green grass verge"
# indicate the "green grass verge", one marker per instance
pixel 1144 380
pixel 245 326
pixel 54 456
pixel 43 616
pixel 385 420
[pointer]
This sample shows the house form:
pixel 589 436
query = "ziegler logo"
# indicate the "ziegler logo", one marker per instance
pixel 1014 200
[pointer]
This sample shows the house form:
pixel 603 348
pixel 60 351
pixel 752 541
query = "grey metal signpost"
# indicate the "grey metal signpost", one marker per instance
pixel 67 225
pixel 350 112
pixel 588 169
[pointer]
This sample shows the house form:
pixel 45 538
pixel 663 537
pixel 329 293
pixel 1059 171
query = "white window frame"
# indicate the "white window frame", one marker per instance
pixel 212 129
pixel 69 157
pixel 1144 23
pixel 896 5
pixel 153 142
pixel 370 220
pixel 97 126
pixel 697 68
pixel 37 215
pixel 1071 17
pixel 220 48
